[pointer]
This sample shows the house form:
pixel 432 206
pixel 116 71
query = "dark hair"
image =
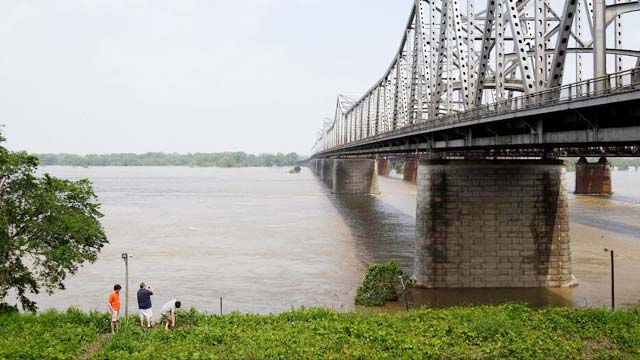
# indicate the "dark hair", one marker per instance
pixel 117 287
pixel 142 285
pixel 178 303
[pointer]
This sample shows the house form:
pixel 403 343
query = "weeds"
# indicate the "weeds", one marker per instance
pixel 485 332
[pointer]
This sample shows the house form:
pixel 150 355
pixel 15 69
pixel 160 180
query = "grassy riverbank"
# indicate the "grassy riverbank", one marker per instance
pixel 509 331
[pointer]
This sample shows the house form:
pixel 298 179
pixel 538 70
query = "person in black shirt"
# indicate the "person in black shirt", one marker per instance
pixel 144 304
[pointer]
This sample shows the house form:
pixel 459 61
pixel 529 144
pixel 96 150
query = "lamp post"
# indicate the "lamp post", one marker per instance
pixel 125 257
pixel 613 281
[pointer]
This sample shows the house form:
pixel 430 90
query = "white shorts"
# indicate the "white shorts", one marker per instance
pixel 148 313
pixel 114 315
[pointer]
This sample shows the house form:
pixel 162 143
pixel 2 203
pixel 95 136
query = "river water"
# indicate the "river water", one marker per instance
pixel 266 241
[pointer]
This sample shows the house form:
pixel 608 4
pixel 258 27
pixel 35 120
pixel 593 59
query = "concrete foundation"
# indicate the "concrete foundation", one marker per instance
pixel 326 171
pixel 314 165
pixel 384 167
pixel 492 224
pixel 410 170
pixel 355 176
pixel 593 178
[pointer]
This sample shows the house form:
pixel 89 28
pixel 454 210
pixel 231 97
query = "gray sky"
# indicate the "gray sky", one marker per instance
pixel 99 76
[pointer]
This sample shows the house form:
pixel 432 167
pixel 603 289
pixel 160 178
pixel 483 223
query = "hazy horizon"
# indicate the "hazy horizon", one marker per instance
pixel 167 153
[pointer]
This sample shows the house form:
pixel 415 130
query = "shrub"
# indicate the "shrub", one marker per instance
pixel 380 284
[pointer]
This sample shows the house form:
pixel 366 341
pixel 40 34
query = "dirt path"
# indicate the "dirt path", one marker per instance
pixel 94 347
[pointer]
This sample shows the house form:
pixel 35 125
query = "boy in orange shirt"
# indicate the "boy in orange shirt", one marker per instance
pixel 114 306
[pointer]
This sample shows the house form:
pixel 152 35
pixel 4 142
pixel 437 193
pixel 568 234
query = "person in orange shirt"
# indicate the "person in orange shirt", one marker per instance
pixel 114 307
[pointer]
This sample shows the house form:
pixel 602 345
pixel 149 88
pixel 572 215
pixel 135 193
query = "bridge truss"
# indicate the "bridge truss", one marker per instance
pixel 457 57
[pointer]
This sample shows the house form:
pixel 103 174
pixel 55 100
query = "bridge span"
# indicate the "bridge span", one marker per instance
pixel 483 100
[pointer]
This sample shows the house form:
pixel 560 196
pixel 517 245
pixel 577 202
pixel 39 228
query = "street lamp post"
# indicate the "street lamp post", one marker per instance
pixel 613 281
pixel 125 257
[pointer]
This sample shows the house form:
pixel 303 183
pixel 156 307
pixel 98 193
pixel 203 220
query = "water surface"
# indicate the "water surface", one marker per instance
pixel 265 241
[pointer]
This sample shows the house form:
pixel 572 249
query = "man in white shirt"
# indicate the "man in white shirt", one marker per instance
pixel 168 312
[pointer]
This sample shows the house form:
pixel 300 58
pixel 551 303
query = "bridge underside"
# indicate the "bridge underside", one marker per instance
pixel 484 222
pixel 592 127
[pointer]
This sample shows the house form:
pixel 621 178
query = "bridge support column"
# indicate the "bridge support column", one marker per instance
pixel 355 176
pixel 410 170
pixel 326 171
pixel 384 167
pixel 492 223
pixel 313 165
pixel 593 178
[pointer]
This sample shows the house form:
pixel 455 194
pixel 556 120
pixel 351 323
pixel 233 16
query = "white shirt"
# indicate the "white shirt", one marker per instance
pixel 168 307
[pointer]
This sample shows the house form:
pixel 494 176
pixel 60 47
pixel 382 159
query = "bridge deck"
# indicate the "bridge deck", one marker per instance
pixel 574 116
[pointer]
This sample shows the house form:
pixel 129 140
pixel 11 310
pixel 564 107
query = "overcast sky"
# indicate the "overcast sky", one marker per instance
pixel 101 76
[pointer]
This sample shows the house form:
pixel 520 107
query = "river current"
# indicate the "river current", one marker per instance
pixel 266 241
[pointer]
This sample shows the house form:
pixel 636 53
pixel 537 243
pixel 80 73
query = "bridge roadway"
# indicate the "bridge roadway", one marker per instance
pixel 571 120
pixel 479 103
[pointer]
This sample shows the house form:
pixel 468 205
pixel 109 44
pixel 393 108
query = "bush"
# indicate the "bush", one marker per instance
pixel 380 284
pixel 8 309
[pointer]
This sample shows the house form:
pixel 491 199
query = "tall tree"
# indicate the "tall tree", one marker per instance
pixel 49 227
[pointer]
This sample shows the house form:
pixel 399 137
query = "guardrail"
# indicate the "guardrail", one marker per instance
pixel 614 83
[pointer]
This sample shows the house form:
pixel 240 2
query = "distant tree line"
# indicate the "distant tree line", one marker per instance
pixel 224 159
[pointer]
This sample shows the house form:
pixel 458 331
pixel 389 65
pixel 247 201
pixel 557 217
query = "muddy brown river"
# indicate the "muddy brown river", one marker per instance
pixel 266 241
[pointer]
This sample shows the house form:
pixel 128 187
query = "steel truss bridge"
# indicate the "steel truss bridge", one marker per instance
pixel 499 78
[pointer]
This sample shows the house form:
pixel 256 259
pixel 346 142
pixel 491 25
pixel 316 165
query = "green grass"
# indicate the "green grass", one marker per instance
pixel 51 335
pixel 488 332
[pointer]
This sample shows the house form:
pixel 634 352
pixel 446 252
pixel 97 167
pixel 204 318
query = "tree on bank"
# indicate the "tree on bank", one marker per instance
pixel 49 227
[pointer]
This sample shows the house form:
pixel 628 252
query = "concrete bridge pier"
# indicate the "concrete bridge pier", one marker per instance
pixel 326 171
pixel 348 176
pixel 355 176
pixel 593 178
pixel 410 172
pixel 384 167
pixel 314 166
pixel 492 223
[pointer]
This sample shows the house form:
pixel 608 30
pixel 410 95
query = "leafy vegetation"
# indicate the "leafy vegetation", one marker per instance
pixel 487 332
pixel 381 283
pixel 398 167
pixel 51 335
pixel 49 227
pixel 225 159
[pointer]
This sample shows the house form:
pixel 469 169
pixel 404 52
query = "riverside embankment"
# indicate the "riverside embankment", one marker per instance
pixel 500 332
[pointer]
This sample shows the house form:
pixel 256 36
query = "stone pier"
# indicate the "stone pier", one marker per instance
pixel 593 178
pixel 410 172
pixel 347 176
pixel 384 167
pixel 492 223
pixel 314 166
pixel 355 176
pixel 326 171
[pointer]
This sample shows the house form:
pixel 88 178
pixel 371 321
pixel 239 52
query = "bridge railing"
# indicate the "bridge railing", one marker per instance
pixel 606 85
